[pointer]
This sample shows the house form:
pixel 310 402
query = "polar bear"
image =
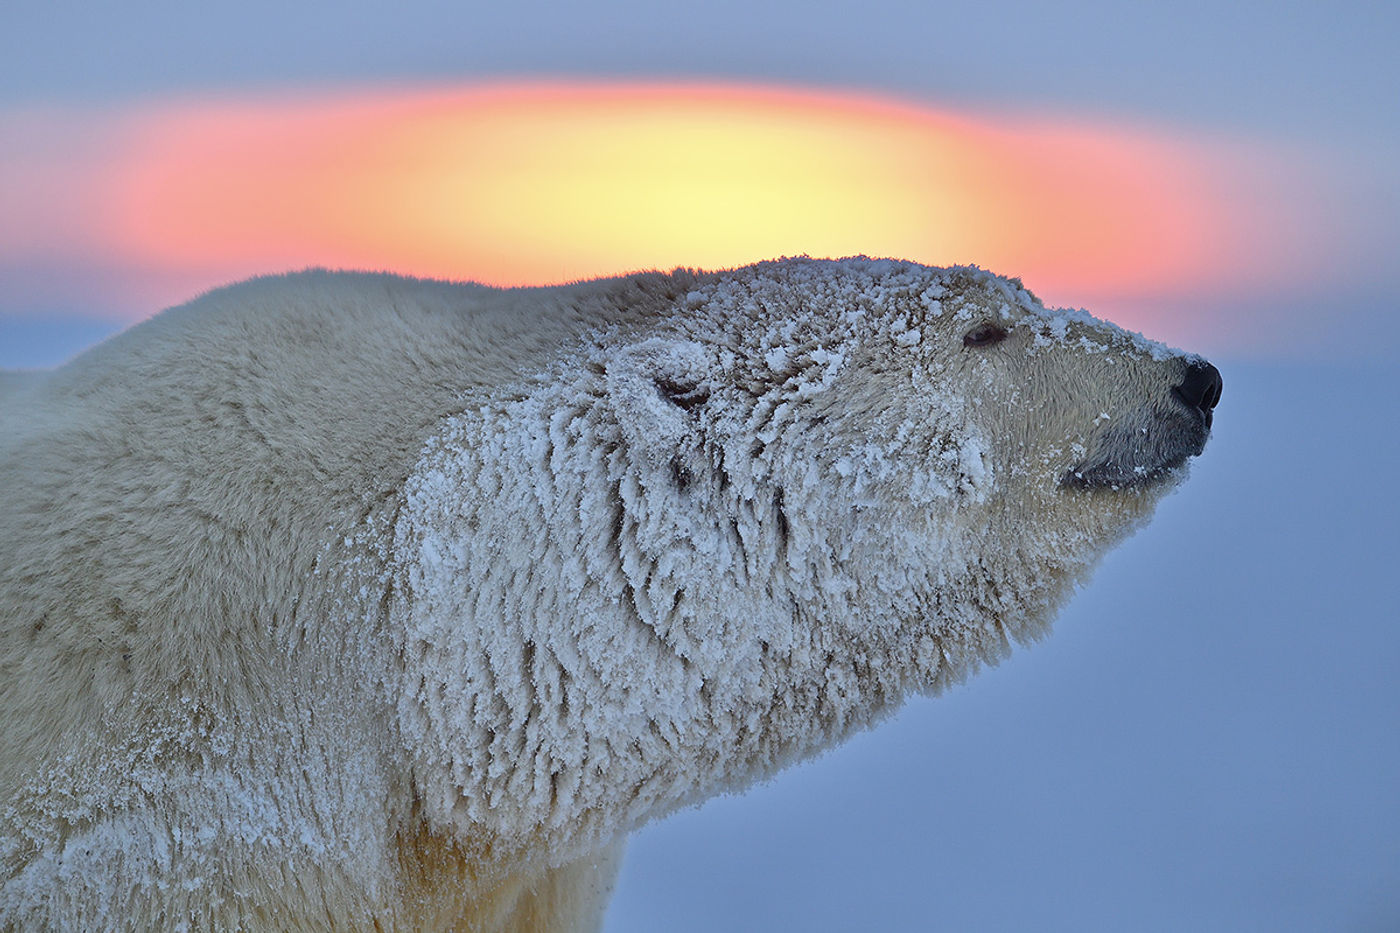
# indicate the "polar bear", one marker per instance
pixel 350 601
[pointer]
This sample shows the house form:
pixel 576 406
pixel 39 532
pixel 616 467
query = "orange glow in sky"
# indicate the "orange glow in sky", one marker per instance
pixel 549 182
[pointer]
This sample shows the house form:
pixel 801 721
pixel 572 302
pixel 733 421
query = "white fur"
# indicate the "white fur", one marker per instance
pixel 338 598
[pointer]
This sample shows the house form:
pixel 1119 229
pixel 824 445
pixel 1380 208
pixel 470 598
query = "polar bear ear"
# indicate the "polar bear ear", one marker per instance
pixel 657 388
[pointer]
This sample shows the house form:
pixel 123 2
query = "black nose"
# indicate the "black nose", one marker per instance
pixel 1201 387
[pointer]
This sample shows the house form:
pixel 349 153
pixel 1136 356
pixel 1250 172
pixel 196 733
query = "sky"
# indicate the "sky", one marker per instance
pixel 1214 176
pixel 1207 741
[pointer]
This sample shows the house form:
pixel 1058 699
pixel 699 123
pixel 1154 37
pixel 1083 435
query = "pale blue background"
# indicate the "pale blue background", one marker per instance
pixel 1211 738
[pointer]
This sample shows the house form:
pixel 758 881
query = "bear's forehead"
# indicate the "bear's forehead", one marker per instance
pixel 776 308
pixel 782 301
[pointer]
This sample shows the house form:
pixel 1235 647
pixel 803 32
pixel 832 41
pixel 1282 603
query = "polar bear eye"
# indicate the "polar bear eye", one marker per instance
pixel 684 395
pixel 984 335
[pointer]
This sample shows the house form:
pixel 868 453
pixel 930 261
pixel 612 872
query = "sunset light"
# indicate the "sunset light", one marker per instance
pixel 550 182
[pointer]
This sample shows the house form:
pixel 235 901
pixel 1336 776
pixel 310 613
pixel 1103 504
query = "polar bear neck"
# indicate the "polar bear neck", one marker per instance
pixel 592 646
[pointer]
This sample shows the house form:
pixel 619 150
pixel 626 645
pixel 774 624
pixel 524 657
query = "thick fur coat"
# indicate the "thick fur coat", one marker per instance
pixel 354 601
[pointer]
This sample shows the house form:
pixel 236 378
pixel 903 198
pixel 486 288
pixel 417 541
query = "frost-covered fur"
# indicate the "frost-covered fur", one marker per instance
pixel 339 601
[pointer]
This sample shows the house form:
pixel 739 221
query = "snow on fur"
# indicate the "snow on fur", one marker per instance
pixel 406 601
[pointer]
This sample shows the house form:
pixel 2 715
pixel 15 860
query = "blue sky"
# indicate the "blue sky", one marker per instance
pixel 1208 741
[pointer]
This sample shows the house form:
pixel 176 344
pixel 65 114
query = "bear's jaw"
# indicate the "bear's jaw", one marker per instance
pixel 1145 456
pixel 1156 441
pixel 1132 467
pixel 1114 475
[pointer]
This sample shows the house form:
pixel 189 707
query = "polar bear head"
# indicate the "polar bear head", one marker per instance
pixel 721 534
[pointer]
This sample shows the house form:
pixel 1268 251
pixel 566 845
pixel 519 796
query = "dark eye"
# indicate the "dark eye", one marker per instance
pixel 984 335
pixel 683 395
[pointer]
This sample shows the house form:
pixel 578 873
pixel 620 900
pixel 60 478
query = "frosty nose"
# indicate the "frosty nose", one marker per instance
pixel 1201 387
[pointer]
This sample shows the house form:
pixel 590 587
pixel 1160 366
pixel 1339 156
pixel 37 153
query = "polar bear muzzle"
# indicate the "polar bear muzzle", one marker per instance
pixel 1177 431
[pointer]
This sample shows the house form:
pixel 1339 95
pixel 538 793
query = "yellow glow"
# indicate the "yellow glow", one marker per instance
pixel 539 183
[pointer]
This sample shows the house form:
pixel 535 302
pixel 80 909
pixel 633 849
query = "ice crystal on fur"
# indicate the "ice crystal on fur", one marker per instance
pixel 353 600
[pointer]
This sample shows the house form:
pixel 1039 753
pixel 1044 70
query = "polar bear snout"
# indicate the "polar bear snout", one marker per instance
pixel 1200 388
pixel 1151 450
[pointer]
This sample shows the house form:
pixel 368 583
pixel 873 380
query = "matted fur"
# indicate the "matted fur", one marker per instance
pixel 344 600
